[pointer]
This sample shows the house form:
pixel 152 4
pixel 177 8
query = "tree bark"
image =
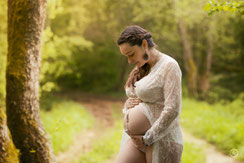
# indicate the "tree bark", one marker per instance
pixel 25 24
pixel 123 66
pixel 204 78
pixel 189 63
pixel 8 152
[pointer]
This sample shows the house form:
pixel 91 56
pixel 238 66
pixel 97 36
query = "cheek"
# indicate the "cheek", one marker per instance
pixel 140 59
pixel 133 59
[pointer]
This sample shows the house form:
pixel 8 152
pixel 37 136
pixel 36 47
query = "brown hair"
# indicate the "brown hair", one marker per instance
pixel 134 35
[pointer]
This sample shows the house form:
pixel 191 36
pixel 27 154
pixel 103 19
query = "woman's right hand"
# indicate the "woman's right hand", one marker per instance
pixel 131 102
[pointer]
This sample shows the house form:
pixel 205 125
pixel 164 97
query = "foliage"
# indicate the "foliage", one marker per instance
pixel 79 47
pixel 3 49
pixel 217 6
pixel 62 34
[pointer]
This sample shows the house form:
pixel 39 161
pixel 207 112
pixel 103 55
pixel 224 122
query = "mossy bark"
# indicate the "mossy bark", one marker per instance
pixel 25 24
pixel 8 152
pixel 189 63
pixel 203 79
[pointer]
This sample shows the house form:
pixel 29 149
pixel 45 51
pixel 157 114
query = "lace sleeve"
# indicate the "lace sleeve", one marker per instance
pixel 172 95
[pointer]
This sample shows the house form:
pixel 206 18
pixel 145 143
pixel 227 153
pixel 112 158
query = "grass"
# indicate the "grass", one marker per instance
pixel 107 146
pixel 63 121
pixel 104 148
pixel 192 154
pixel 221 125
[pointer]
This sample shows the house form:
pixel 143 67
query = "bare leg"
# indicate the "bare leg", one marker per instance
pixel 149 154
pixel 130 154
pixel 137 124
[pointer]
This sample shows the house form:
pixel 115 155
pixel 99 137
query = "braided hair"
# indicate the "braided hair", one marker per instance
pixel 134 35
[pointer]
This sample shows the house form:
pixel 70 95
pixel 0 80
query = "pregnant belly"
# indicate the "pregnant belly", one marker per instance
pixel 135 121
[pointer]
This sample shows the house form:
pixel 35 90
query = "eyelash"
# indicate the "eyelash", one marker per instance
pixel 131 55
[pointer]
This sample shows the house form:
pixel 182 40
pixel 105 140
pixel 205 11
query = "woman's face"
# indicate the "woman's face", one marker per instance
pixel 134 53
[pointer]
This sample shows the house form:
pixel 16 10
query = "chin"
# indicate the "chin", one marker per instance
pixel 143 64
pixel 138 65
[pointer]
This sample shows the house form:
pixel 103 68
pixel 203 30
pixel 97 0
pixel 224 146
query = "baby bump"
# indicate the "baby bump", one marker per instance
pixel 135 121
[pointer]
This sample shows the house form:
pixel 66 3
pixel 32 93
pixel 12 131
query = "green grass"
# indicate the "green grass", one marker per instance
pixel 104 148
pixel 193 154
pixel 107 146
pixel 221 125
pixel 64 120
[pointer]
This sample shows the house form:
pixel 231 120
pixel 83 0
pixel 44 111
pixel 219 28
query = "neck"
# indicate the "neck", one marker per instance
pixel 154 57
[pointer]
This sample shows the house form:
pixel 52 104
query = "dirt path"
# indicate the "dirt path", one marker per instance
pixel 100 108
pixel 212 154
pixel 82 143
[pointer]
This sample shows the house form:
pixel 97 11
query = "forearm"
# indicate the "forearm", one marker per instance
pixel 161 127
pixel 172 105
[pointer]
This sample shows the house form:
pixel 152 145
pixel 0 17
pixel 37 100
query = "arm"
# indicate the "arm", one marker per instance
pixel 172 104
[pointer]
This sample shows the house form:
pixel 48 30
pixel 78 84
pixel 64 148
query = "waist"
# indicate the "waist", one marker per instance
pixel 155 104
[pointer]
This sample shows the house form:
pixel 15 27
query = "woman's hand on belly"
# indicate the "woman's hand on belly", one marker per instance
pixel 132 102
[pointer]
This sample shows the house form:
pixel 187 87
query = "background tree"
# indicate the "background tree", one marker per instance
pixel 25 23
pixel 77 31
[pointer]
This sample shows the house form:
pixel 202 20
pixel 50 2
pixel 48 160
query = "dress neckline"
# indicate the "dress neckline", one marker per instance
pixel 152 68
pixel 161 55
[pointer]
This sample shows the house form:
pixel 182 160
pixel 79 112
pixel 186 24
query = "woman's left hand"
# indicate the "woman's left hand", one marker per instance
pixel 137 139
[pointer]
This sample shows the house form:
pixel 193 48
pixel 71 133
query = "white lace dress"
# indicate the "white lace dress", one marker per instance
pixel 161 95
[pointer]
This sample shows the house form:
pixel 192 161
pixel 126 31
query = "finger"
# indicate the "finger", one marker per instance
pixel 135 103
pixel 134 100
pixel 137 100
pixel 131 99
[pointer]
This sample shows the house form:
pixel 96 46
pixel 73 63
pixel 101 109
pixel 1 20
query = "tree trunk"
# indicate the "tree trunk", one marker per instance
pixel 25 24
pixel 204 78
pixel 189 63
pixel 123 66
pixel 8 152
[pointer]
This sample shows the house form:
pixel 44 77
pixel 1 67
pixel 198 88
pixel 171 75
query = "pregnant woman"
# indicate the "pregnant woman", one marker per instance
pixel 152 132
